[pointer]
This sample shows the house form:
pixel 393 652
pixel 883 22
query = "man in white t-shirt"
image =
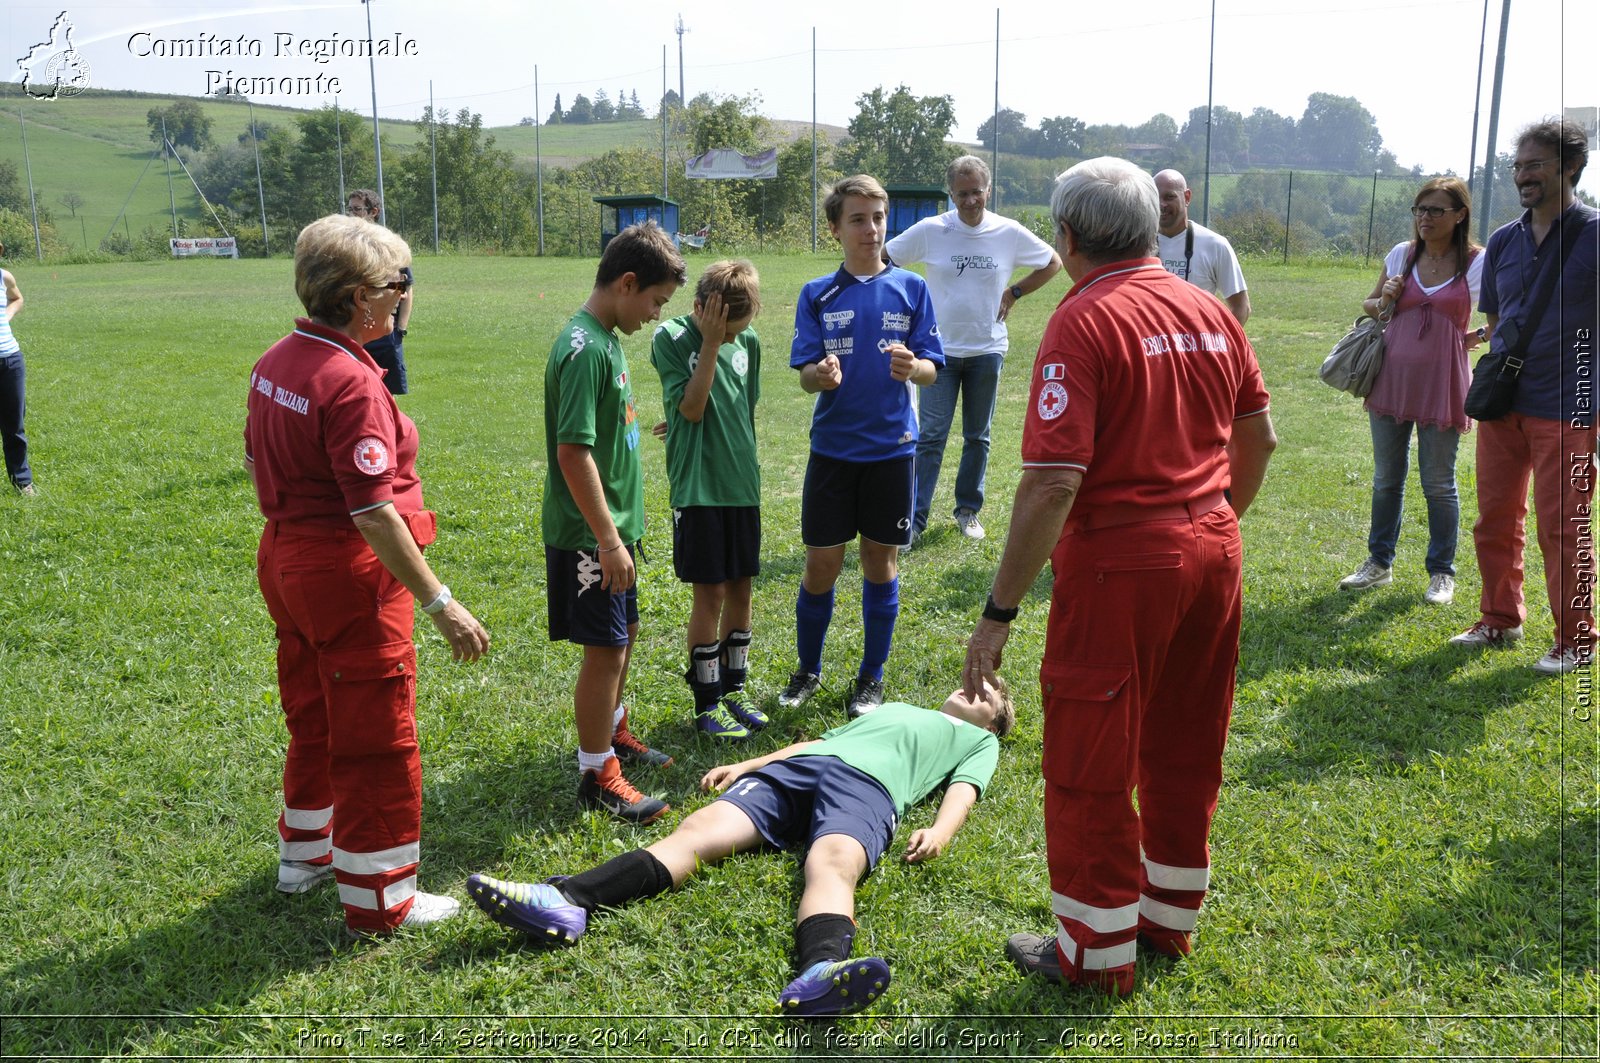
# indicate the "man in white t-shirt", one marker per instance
pixel 1200 256
pixel 970 255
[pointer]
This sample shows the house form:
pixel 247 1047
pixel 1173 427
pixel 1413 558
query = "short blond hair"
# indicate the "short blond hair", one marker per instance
pixel 863 185
pixel 336 255
pixel 737 281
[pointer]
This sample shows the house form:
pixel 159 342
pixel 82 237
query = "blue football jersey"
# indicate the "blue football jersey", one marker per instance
pixel 869 416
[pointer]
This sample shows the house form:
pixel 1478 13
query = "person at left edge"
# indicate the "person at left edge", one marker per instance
pixel 388 350
pixel 593 515
pixel 333 463
pixel 13 403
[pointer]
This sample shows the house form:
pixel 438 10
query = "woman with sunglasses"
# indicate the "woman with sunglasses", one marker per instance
pixel 332 460
pixel 1425 293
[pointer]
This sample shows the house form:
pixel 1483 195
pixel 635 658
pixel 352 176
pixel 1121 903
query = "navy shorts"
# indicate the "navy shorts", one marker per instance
pixel 844 498
pixel 579 610
pixel 801 799
pixel 715 544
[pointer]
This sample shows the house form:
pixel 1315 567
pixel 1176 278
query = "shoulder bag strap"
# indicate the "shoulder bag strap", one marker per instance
pixel 1548 279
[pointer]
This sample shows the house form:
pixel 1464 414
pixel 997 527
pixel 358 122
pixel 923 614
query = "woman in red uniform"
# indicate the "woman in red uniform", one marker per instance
pixel 333 463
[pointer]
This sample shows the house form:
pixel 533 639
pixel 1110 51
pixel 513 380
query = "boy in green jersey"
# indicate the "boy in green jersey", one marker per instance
pixel 593 513
pixel 841 796
pixel 710 366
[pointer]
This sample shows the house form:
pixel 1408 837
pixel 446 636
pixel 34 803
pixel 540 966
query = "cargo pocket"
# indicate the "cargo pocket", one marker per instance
pixel 1086 713
pixel 372 696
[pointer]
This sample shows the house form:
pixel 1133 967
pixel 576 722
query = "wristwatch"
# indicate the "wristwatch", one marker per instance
pixel 1483 334
pixel 992 611
pixel 1016 291
pixel 400 332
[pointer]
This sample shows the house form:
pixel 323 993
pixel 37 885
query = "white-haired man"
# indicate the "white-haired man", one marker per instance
pixel 1146 435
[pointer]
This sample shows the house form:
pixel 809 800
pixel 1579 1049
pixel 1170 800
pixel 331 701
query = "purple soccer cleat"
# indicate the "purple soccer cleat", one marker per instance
pixel 536 909
pixel 835 988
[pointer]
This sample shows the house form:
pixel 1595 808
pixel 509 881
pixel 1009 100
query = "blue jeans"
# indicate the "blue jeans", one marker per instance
pixel 12 407
pixel 977 379
pixel 1436 466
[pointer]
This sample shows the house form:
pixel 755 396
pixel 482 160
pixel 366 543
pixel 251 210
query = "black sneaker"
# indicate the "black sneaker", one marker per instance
pixel 801 686
pixel 608 789
pixel 627 747
pixel 865 695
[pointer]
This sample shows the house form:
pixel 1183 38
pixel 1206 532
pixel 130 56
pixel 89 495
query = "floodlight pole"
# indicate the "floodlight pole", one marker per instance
pixel 1494 125
pixel 994 146
pixel 338 136
pixel 433 162
pixel 664 119
pixel 33 202
pixel 538 160
pixel 166 157
pixel 377 141
pixel 1477 92
pixel 261 194
pixel 1211 79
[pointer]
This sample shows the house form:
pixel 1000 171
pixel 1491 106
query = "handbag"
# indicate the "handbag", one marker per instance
pixel 1493 390
pixel 1355 360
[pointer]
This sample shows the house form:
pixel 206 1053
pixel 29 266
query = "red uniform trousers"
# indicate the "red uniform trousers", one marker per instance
pixel 1559 458
pixel 1137 678
pixel 352 778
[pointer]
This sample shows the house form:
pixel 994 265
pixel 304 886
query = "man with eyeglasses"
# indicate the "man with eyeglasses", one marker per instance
pixel 970 254
pixel 1200 256
pixel 1550 431
pixel 387 351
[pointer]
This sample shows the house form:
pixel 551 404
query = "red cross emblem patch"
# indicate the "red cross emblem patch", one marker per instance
pixel 1052 401
pixel 372 457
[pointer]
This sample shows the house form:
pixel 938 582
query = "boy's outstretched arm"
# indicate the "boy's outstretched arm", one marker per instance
pixel 719 778
pixel 930 842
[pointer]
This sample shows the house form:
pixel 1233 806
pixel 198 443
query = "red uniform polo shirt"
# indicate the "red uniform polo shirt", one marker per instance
pixel 1137 383
pixel 324 434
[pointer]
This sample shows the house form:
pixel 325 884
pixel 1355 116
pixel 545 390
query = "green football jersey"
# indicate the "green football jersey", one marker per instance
pixel 911 752
pixel 588 400
pixel 711 462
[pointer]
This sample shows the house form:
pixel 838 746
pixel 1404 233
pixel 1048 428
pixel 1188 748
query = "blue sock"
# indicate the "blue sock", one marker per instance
pixel 880 607
pixel 812 614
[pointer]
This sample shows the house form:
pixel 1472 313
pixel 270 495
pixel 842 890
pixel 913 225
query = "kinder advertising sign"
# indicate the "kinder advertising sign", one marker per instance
pixel 215 246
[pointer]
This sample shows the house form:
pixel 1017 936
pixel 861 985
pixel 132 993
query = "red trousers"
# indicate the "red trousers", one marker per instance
pixel 1559 458
pixel 352 779
pixel 1137 679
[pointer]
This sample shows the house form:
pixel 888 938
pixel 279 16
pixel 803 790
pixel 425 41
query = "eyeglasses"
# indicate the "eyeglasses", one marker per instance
pixel 1532 166
pixel 1432 212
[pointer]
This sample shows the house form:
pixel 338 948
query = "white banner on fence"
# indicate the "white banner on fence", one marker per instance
pixel 217 246
pixel 725 164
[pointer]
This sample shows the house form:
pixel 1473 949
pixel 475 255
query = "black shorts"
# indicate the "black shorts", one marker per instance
pixel 842 499
pixel 579 611
pixel 716 544
pixel 800 799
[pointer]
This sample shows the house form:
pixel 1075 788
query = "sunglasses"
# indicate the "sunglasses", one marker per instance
pixel 401 285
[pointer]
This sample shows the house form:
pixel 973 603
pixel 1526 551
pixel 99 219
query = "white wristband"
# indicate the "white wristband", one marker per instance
pixel 436 606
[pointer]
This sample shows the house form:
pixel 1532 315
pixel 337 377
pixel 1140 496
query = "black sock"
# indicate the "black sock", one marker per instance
pixel 824 937
pixel 630 877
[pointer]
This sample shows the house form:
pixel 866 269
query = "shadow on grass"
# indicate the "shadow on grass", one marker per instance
pixel 1530 911
pixel 1339 687
pixel 212 960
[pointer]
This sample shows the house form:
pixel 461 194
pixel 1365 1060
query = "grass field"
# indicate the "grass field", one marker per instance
pixel 1404 856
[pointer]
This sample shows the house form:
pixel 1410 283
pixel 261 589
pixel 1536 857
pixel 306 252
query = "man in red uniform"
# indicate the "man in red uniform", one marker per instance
pixel 1147 434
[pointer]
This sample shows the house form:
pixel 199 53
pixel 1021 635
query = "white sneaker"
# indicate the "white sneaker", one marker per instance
pixel 1441 589
pixel 967 521
pixel 429 908
pixel 297 876
pixel 1561 660
pixel 1370 574
pixel 1485 634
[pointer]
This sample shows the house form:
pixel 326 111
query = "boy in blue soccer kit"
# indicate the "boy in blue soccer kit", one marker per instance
pixel 864 336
